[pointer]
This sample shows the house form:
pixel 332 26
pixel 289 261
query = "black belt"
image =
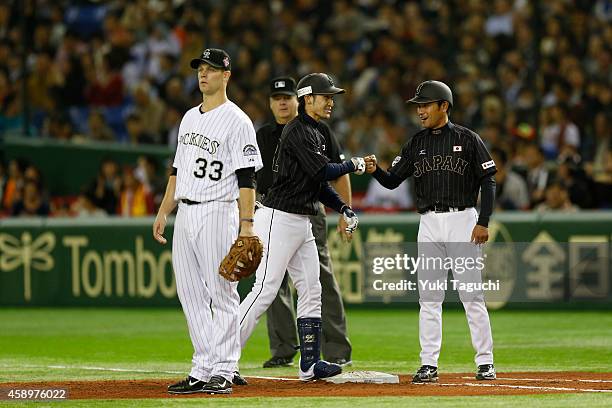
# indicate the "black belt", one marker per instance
pixel 189 202
pixel 442 209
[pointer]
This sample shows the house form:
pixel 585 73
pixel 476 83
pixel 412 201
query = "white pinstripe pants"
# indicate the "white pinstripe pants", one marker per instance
pixel 288 246
pixel 448 235
pixel 203 234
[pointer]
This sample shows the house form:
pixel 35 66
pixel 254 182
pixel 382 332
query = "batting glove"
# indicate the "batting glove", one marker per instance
pixel 360 165
pixel 351 219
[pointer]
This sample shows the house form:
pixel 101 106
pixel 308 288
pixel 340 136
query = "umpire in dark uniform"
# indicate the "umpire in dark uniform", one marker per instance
pixel 450 165
pixel 282 330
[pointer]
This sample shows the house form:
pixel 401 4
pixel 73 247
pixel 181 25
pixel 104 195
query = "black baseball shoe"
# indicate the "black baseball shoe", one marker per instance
pixel 486 372
pixel 189 385
pixel 275 362
pixel 426 374
pixel 320 369
pixel 237 379
pixel 217 385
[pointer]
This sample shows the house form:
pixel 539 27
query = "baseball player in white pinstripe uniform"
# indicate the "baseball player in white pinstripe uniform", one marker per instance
pixel 215 163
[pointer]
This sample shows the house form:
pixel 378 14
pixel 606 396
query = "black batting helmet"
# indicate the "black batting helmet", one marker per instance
pixel 432 91
pixel 317 84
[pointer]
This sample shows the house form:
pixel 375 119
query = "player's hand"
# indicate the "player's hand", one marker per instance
pixel 360 165
pixel 480 234
pixel 370 163
pixel 351 219
pixel 158 229
pixel 341 228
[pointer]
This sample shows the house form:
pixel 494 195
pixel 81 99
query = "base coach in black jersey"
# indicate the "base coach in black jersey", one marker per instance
pixel 302 172
pixel 450 165
pixel 280 319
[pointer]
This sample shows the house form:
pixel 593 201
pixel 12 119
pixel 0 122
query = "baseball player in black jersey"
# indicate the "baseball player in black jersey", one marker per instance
pixel 282 332
pixel 301 178
pixel 450 165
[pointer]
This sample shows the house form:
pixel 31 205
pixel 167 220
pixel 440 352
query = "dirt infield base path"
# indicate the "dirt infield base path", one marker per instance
pixel 449 385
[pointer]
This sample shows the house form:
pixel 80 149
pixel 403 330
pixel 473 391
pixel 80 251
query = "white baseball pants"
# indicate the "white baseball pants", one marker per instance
pixel 288 246
pixel 203 235
pixel 448 235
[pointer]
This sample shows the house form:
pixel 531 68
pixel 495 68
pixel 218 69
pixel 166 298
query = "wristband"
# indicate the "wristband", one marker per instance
pixel 247 219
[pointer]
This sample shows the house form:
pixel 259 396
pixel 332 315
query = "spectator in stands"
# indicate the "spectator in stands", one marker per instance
pixel 134 201
pixel 106 187
pixel 43 83
pixel 32 202
pixel 105 82
pixel 538 173
pixel 136 130
pixel 560 137
pixel 15 181
pixel 147 173
pixel 98 129
pixel 511 189
pixel 578 185
pixel 84 206
pixel 58 126
pixel 600 168
pixel 557 199
pixel 150 109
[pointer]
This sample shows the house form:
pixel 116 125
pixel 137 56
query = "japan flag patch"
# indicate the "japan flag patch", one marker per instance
pixel 457 148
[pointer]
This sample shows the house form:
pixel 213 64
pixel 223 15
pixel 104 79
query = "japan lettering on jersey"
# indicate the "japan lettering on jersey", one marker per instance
pixel 211 146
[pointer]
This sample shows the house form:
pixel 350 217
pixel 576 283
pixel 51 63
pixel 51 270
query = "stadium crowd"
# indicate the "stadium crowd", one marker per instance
pixel 534 78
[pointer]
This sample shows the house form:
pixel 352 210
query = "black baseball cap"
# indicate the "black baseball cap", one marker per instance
pixel 283 86
pixel 214 57
pixel 317 84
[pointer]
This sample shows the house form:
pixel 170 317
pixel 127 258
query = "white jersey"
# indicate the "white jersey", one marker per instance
pixel 211 146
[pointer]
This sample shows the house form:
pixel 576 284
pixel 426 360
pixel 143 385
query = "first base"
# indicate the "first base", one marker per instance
pixel 369 377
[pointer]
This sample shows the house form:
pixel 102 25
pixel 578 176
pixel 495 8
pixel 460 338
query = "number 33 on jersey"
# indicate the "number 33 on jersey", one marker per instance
pixel 211 146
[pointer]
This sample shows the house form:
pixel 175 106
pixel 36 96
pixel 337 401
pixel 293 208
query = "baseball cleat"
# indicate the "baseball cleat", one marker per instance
pixel 320 369
pixel 189 385
pixel 237 379
pixel 217 385
pixel 426 374
pixel 486 372
pixel 275 362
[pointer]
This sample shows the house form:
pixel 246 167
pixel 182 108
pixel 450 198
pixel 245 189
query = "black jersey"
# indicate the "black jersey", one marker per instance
pixel 305 146
pixel 448 165
pixel 268 137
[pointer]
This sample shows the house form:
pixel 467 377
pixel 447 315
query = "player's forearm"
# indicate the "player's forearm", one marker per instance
pixel 246 202
pixel 168 202
pixel 487 200
pixel 331 171
pixel 330 198
pixel 387 179
pixel 343 186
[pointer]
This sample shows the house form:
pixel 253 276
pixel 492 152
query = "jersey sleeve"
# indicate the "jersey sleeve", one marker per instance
pixel 245 152
pixel 308 151
pixel 175 162
pixel 483 164
pixel 333 151
pixel 403 165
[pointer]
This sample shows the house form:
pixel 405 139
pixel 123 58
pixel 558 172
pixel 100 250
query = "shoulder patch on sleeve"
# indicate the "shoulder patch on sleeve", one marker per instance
pixel 487 165
pixel 249 150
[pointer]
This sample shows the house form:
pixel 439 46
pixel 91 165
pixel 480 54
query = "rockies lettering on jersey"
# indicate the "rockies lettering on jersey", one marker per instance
pixel 447 164
pixel 300 156
pixel 211 147
pixel 268 137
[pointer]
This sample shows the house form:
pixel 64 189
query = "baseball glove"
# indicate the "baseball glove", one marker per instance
pixel 242 259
